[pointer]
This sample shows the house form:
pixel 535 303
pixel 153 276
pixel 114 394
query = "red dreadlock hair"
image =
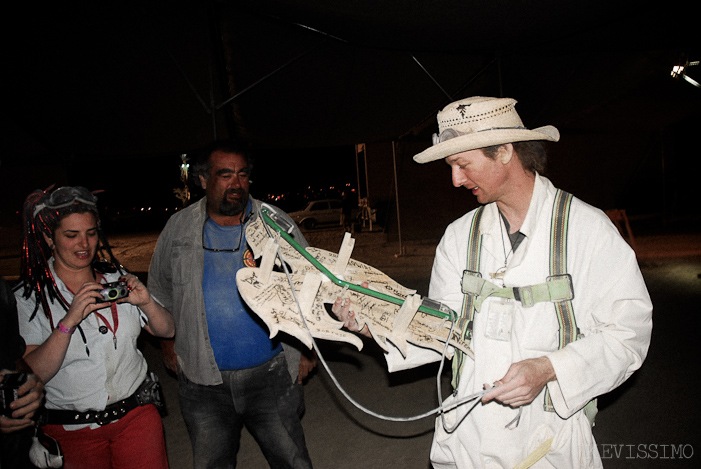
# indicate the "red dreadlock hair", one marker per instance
pixel 42 212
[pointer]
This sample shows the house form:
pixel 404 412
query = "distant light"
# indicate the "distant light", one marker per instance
pixel 680 71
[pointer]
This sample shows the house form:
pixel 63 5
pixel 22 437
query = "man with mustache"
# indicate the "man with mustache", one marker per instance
pixel 230 373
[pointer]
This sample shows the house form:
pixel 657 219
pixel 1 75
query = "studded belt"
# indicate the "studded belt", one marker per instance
pixel 149 392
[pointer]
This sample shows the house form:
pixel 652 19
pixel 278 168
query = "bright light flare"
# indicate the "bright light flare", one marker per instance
pixel 680 71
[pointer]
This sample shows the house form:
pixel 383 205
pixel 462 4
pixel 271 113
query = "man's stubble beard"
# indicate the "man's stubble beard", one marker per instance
pixel 232 209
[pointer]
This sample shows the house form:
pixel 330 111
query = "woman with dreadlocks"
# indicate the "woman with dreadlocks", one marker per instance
pixel 99 396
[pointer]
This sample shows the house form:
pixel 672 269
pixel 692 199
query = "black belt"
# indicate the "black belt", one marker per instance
pixel 101 417
pixel 149 392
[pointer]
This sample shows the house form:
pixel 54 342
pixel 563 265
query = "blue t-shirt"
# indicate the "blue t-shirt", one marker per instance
pixel 238 337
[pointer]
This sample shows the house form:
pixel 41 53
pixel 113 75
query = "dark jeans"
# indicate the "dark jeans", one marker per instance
pixel 264 399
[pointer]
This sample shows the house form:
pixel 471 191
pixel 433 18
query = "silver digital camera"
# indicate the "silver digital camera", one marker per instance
pixel 114 291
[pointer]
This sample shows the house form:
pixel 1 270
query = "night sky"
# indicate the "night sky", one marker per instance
pixel 109 96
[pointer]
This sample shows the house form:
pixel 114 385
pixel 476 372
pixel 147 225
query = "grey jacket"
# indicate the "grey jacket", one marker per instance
pixel 175 280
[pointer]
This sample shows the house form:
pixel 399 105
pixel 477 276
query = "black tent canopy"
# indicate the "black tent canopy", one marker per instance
pixel 103 82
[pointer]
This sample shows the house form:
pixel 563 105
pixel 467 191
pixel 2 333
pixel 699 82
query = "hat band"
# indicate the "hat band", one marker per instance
pixel 448 134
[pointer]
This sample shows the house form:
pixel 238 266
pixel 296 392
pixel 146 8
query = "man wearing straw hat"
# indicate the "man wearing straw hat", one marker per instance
pixel 550 299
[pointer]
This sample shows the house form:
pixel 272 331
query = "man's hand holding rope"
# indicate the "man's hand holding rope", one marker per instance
pixel 522 383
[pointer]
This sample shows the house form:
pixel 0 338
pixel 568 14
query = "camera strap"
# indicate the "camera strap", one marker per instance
pixel 115 320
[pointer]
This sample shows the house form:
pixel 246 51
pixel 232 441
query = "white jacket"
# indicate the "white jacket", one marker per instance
pixel 613 311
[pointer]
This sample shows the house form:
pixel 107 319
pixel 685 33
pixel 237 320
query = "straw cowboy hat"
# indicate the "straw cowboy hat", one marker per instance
pixel 480 122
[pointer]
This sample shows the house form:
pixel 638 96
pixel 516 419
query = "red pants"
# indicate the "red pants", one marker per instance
pixel 134 441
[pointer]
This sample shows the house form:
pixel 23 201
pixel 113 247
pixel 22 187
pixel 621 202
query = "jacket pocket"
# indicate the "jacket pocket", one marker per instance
pixel 183 262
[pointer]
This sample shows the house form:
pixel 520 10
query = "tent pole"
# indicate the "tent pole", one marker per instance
pixel 357 168
pixel 211 97
pixel 396 198
pixel 367 186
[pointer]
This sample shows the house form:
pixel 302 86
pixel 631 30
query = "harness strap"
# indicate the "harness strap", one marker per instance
pixel 557 288
pixel 467 314
pixel 569 332
pixel 558 265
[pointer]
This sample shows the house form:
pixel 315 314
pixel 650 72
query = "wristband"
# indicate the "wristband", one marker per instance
pixel 64 329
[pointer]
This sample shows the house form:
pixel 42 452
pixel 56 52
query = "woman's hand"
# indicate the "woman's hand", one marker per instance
pixel 46 358
pixel 138 293
pixel 341 308
pixel 85 301
pixel 160 321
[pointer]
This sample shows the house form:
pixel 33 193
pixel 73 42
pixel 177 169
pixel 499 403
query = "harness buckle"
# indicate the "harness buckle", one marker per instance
pixel 472 282
pixel 524 295
pixel 561 291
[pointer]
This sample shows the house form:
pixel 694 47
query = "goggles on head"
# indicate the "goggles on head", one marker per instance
pixel 447 134
pixel 66 196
